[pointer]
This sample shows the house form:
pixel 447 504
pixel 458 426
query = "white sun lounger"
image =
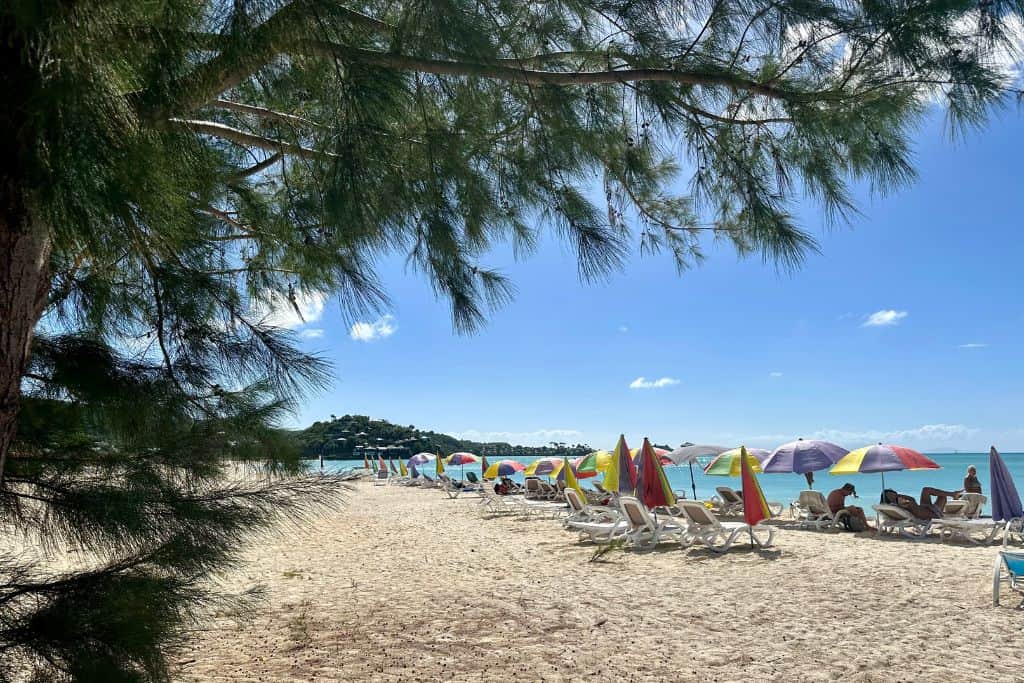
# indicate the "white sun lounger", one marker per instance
pixel 716 535
pixel 646 530
pixel 812 510
pixel 978 531
pixel 585 512
pixel 895 520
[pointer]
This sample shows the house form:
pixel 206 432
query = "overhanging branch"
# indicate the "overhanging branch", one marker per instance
pixel 219 130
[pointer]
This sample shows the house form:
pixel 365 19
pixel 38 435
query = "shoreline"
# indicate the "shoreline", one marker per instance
pixel 405 585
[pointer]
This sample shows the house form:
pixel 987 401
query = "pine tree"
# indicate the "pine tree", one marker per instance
pixel 173 175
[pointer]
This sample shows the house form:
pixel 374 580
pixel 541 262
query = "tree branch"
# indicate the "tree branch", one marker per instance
pixel 240 137
pixel 263 113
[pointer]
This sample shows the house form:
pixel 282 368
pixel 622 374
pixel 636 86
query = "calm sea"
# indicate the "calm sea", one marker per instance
pixel 786 487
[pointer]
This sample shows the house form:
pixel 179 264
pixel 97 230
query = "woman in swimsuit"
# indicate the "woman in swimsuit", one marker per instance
pixel 926 508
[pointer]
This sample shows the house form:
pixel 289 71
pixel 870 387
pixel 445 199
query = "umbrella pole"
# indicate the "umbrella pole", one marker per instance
pixel 692 482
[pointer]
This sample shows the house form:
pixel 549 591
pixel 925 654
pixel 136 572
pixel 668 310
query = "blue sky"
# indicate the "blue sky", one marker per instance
pixel 745 354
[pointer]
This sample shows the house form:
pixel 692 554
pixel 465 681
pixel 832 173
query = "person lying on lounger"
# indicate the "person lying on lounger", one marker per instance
pixel 926 508
pixel 837 501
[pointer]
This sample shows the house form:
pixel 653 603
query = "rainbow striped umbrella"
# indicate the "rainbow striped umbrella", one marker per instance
pixel 652 486
pixel 883 458
pixel 591 464
pixel 503 468
pixel 461 458
pixel 660 452
pixel 727 464
pixel 541 466
pixel 559 472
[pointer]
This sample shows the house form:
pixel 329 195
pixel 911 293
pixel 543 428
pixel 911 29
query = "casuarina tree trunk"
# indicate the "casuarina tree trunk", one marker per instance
pixel 25 239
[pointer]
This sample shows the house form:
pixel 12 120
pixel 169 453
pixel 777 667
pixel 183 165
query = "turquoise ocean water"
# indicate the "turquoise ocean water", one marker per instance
pixel 786 487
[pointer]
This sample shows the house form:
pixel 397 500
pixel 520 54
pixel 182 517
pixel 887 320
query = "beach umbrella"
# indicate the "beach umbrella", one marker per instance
pixel 373 463
pixel 462 459
pixel 620 477
pixel 503 468
pixel 883 458
pixel 415 472
pixel 592 463
pixel 652 485
pixel 803 457
pixel 391 466
pixel 438 463
pixel 366 462
pixel 570 477
pixel 380 460
pixel 1005 499
pixel 689 455
pixel 421 458
pixel 401 468
pixel 559 472
pixel 541 466
pixel 483 465
pixel 755 507
pixel 727 464
pixel 661 453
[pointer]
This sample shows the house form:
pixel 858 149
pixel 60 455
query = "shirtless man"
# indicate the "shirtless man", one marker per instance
pixel 837 501
pixel 926 508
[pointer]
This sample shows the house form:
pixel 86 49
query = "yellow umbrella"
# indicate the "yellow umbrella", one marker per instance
pixel 541 466
pixel 438 465
pixel 570 478
pixel 401 468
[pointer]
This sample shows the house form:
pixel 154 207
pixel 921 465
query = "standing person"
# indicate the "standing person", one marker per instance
pixel 971 482
pixel 837 501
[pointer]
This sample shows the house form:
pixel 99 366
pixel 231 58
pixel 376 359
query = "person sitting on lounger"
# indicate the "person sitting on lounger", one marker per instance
pixel 837 501
pixel 926 508
pixel 971 482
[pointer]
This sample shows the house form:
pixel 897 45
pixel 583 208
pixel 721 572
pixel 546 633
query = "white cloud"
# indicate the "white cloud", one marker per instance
pixel 623 329
pixel 312 333
pixel 381 328
pixel 775 374
pixel 923 437
pixel 539 437
pixel 973 345
pixel 283 314
pixel 883 318
pixel 644 383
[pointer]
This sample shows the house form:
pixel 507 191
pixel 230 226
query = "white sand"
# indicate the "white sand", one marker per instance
pixel 408 585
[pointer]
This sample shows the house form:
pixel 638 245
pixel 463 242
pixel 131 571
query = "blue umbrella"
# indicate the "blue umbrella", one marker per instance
pixel 1005 499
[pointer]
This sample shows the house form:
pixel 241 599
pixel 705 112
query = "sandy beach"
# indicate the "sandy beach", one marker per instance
pixel 408 585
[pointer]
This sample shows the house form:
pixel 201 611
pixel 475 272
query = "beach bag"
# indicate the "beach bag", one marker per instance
pixel 854 523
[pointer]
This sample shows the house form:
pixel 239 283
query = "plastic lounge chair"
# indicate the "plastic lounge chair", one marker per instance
pixel 1009 569
pixel 495 504
pixel 894 519
pixel 815 512
pixel 978 531
pixel 717 535
pixel 381 478
pixel 732 501
pixel 580 511
pixel 646 530
pixel 533 489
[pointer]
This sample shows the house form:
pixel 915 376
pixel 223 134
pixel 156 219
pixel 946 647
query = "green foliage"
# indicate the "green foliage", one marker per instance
pixel 340 438
pixel 200 168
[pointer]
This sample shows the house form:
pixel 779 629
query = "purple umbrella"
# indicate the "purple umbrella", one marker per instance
pixel 803 456
pixel 1005 500
pixel 421 459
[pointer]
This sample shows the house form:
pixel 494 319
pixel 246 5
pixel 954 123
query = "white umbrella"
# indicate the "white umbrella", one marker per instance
pixel 689 455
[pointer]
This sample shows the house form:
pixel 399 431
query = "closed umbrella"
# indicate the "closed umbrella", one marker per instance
pixel 803 457
pixel 620 477
pixel 652 486
pixel 1005 499
pixel 689 455
pixel 755 507
pixel 570 478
